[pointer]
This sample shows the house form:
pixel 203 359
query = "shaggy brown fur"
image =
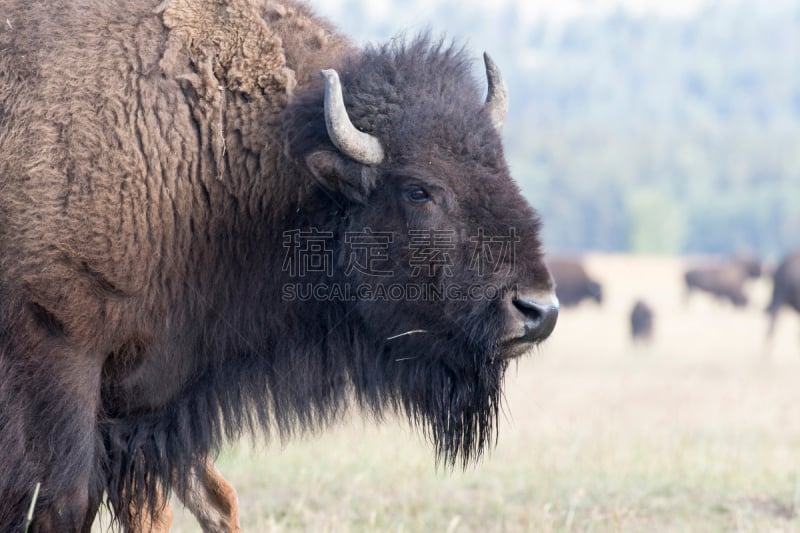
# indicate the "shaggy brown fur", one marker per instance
pixel 153 157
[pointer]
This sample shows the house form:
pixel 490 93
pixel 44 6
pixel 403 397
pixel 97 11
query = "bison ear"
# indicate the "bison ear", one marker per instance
pixel 341 174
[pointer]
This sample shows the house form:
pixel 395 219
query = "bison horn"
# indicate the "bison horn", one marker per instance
pixel 497 97
pixel 356 144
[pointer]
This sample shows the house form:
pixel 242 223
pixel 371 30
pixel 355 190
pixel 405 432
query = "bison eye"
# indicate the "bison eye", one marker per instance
pixel 417 195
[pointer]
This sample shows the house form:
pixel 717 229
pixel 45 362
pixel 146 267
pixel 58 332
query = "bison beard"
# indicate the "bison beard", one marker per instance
pixel 454 401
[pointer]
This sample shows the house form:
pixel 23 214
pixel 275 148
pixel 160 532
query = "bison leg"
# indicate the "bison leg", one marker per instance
pixel 773 317
pixel 49 397
pixel 211 500
pixel 206 494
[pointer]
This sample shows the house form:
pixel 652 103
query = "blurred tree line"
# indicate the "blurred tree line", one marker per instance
pixel 639 132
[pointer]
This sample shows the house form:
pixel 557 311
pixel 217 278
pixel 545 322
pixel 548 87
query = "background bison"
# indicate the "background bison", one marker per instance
pixel 641 322
pixel 163 165
pixel 573 284
pixel 785 288
pixel 725 280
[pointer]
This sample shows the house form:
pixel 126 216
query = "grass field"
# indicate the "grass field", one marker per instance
pixel 699 431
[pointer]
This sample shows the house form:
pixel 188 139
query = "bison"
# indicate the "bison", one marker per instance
pixel 724 279
pixel 573 284
pixel 641 322
pixel 785 288
pixel 221 218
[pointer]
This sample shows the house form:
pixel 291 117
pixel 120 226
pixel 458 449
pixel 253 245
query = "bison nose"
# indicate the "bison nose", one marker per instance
pixel 538 313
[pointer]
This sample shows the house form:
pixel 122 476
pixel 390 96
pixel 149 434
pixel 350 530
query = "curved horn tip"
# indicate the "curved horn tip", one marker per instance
pixel 497 96
pixel 492 70
pixel 488 61
pixel 331 78
pixel 329 74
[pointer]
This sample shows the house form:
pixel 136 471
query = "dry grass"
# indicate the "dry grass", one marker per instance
pixel 698 432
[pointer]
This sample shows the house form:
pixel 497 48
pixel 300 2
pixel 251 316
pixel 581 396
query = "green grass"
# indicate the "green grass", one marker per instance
pixel 698 432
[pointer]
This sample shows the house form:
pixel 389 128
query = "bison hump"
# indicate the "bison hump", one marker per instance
pixel 230 39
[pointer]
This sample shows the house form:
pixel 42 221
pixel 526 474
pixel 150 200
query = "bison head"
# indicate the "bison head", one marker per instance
pixel 436 269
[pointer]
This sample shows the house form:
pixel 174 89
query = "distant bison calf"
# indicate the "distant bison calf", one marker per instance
pixel 724 279
pixel 641 322
pixel 785 288
pixel 573 284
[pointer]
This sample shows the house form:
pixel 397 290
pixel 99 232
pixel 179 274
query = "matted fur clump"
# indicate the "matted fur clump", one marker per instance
pixel 165 168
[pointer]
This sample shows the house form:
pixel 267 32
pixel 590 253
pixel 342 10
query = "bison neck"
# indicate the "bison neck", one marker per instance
pixel 225 193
